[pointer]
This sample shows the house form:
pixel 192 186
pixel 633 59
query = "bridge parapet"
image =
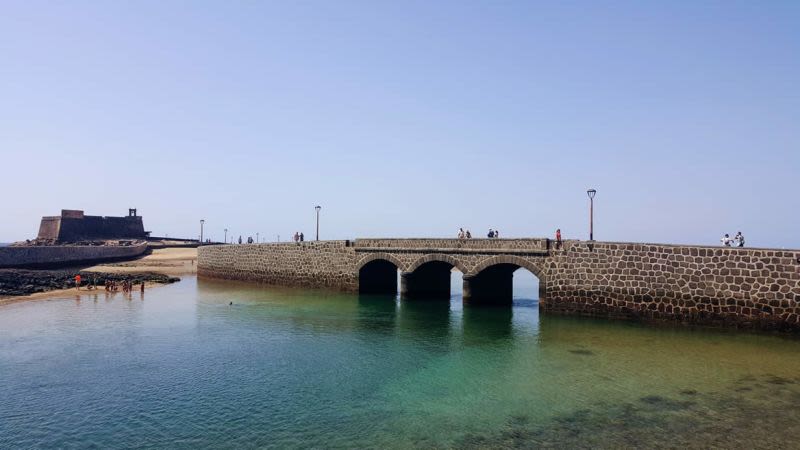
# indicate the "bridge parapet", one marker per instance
pixel 464 246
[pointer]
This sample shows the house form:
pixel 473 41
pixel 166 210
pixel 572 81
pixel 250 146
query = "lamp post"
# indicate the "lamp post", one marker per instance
pixel 318 208
pixel 202 221
pixel 591 193
pixel 226 236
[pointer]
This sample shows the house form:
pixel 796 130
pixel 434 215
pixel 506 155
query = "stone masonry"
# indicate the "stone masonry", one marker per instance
pixel 737 287
pixel 62 255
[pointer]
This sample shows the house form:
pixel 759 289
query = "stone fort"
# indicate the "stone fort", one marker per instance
pixel 73 225
pixel 693 285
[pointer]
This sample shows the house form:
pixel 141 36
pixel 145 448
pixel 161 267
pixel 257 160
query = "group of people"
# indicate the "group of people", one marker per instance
pixel 127 286
pixel 110 285
pixel 737 241
pixel 462 234
pixel 298 237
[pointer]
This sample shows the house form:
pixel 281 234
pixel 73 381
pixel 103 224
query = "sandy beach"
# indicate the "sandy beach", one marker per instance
pixel 168 261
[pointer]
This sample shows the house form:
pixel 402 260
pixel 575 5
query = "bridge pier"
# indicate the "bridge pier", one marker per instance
pixel 429 281
pixel 493 286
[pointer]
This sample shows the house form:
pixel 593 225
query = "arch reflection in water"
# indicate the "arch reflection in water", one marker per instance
pixel 377 313
pixel 427 322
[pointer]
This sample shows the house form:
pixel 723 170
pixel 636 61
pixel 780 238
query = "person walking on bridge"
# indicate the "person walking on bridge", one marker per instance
pixel 558 238
pixel 739 239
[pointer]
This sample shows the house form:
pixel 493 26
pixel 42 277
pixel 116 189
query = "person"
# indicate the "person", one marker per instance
pixel 496 234
pixel 461 233
pixel 302 237
pixel 491 233
pixel 739 239
pixel 468 235
pixel 142 288
pixel 558 238
pixel 296 236
pixel 726 240
pixel 78 281
pixel 240 239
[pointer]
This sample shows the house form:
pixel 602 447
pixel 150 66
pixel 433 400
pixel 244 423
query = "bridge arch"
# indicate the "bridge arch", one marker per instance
pixel 506 259
pixel 385 256
pixel 455 262
pixel 429 277
pixel 377 273
pixel 491 280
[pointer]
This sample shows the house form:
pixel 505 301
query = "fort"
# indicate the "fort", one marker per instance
pixel 74 237
pixel 73 225
pixel 693 285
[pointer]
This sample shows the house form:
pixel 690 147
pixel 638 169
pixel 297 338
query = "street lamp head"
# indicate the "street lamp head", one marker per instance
pixel 318 207
pixel 202 221
pixel 591 193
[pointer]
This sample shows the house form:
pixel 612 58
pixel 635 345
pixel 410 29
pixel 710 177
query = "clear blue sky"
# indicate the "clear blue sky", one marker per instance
pixel 405 118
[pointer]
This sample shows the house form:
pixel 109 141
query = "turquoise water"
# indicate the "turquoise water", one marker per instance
pixel 182 368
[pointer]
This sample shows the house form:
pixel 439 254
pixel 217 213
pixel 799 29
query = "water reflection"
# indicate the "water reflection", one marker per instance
pixel 295 368
pixel 483 325
pixel 426 321
pixel 377 313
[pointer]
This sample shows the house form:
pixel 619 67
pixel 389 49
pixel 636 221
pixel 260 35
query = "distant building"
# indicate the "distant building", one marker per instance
pixel 73 225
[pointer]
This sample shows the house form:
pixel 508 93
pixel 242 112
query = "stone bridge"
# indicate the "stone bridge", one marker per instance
pixel 754 288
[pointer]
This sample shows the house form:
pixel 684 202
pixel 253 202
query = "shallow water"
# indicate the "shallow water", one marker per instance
pixel 281 368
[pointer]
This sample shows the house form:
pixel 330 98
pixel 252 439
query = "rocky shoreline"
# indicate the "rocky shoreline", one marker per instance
pixel 16 282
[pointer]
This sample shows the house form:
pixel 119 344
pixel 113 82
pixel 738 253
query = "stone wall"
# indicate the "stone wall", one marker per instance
pixel 61 255
pixel 741 287
pixel 49 228
pixel 327 264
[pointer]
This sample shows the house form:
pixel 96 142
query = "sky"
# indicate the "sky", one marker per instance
pixel 405 119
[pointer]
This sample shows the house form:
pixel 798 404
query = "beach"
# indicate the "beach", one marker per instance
pixel 155 269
